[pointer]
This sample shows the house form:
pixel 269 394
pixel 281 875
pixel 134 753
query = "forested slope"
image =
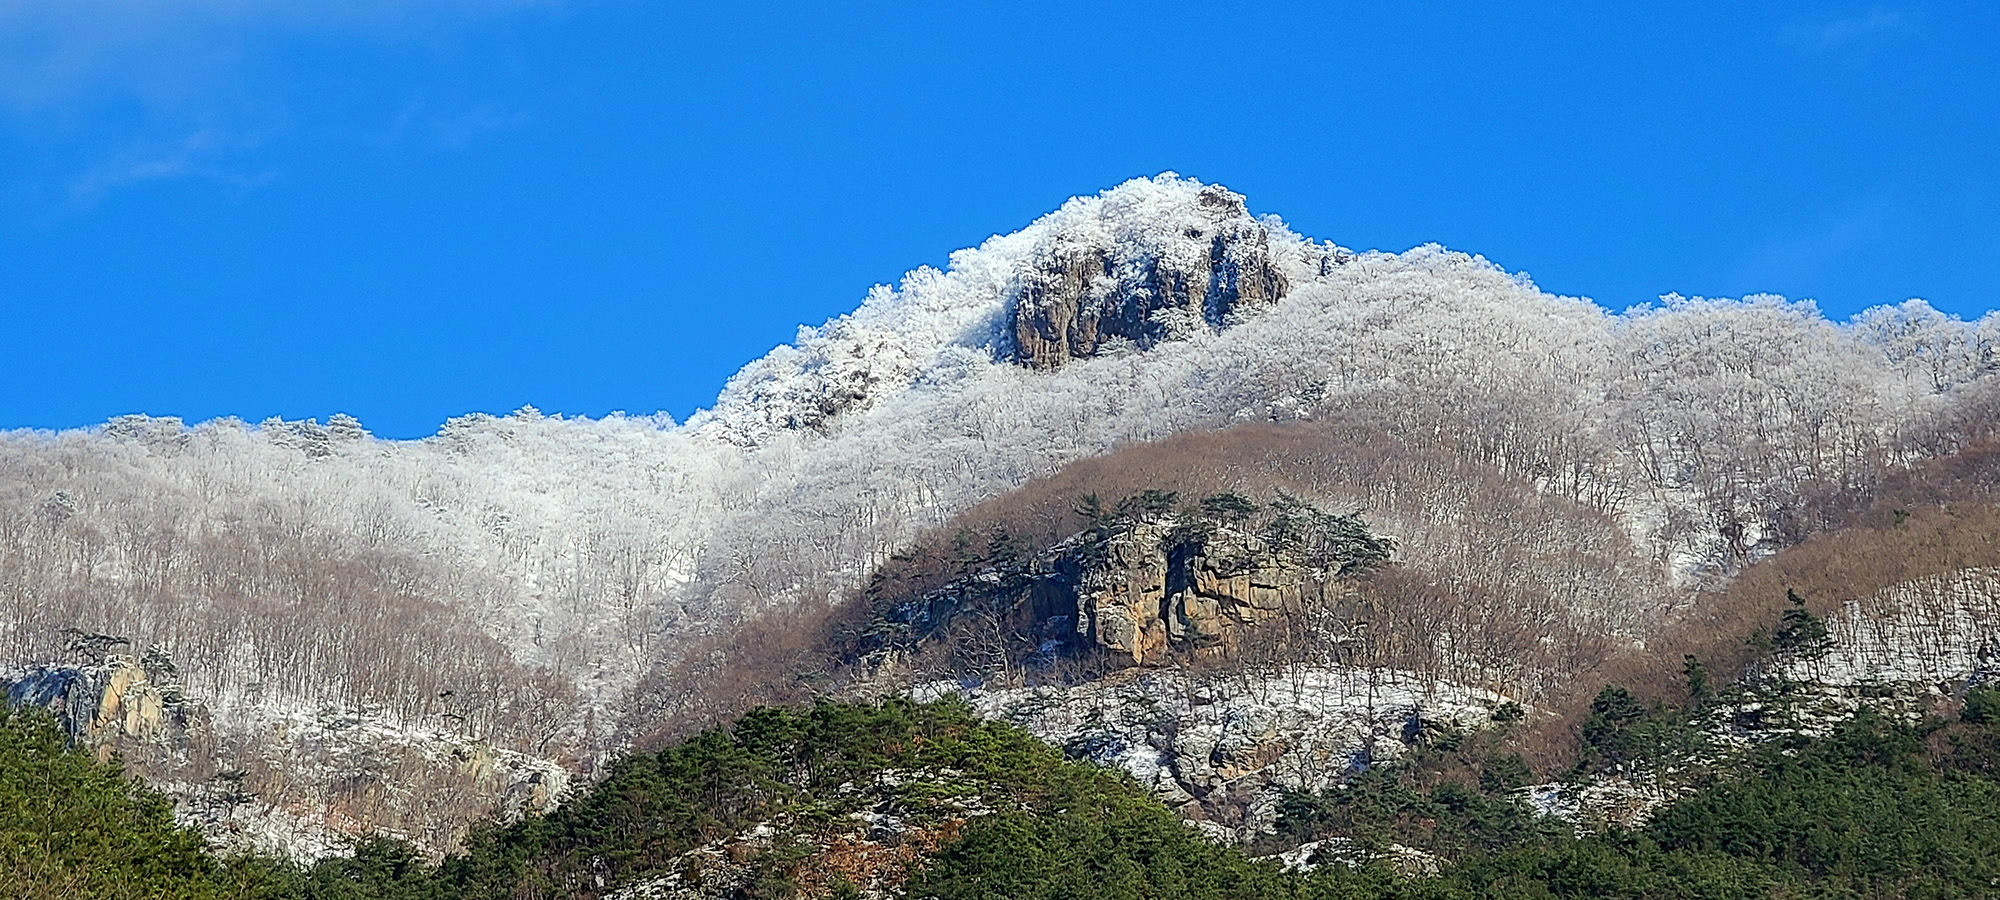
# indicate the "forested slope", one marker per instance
pixel 929 802
pixel 534 584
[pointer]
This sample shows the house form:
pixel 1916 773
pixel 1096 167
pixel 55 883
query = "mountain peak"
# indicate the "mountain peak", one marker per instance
pixel 1147 261
pixel 1150 260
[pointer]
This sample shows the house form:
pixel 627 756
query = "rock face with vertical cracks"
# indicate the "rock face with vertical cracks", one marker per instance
pixel 1081 297
pixel 1147 597
pixel 113 704
pixel 1141 596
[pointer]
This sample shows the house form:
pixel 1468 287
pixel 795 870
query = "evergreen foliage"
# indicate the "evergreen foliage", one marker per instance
pixel 1331 541
pixel 74 827
pixel 1800 633
pixel 1228 507
pixel 1879 808
pixel 798 767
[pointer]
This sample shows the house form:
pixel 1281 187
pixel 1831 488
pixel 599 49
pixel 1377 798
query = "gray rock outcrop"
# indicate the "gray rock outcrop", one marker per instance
pixel 109 704
pixel 1081 297
pixel 302 783
pixel 1223 747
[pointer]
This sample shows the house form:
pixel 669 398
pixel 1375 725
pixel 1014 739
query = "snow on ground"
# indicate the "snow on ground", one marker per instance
pixel 311 782
pixel 1205 742
pixel 1929 631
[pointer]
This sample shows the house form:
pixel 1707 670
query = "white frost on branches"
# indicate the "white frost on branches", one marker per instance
pixel 506 546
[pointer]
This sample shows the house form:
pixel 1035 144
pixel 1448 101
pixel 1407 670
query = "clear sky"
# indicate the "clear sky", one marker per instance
pixel 410 209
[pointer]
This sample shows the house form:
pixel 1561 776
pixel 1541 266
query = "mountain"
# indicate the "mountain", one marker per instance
pixel 406 636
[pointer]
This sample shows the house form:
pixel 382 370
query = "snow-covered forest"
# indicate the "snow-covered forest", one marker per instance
pixel 522 573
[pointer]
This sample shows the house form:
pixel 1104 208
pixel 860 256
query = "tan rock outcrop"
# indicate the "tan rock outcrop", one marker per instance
pixel 1157 590
pixel 115 702
pixel 1153 594
pixel 131 705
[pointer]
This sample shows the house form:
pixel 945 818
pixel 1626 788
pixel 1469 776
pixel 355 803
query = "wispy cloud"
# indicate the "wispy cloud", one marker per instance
pixel 1852 33
pixel 54 52
pixel 202 155
pixel 160 90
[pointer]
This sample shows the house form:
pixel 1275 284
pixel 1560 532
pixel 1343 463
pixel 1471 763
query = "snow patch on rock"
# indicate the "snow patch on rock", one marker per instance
pixel 1223 748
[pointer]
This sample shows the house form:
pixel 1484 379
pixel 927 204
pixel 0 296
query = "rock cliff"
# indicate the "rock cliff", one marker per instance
pixel 112 703
pixel 302 783
pixel 1151 591
pixel 1223 747
pixel 1079 297
pixel 1219 650
pixel 1145 593
pixel 1148 262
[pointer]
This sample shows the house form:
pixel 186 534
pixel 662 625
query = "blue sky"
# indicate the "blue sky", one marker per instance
pixel 410 209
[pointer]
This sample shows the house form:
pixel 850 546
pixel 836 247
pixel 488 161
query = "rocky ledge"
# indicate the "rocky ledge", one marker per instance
pixel 1143 593
pixel 1081 297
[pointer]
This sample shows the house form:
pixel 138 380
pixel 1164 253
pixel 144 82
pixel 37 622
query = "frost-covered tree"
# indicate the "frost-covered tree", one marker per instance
pixel 298 563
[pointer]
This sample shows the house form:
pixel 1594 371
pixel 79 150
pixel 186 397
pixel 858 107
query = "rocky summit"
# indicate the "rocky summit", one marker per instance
pixel 1080 297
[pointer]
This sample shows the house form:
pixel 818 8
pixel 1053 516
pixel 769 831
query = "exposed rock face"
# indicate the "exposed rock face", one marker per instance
pixel 872 849
pixel 310 784
pixel 1932 631
pixel 109 705
pixel 1223 748
pixel 869 834
pixel 301 784
pixel 1146 595
pixel 1149 261
pixel 1605 801
pixel 1898 652
pixel 1081 297
pixel 1409 862
pixel 1151 594
pixel 1159 594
